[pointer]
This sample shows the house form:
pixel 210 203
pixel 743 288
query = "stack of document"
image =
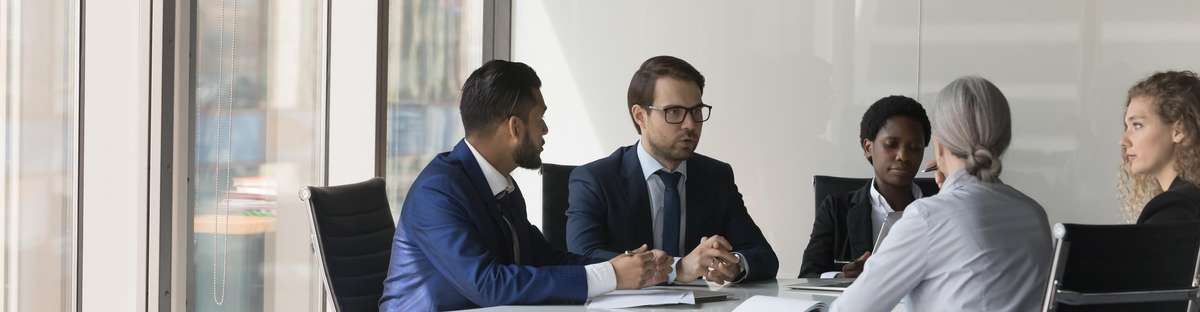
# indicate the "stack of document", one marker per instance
pixel 768 303
pixel 619 299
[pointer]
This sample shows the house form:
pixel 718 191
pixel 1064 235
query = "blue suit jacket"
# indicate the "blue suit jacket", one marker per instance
pixel 451 251
pixel 610 210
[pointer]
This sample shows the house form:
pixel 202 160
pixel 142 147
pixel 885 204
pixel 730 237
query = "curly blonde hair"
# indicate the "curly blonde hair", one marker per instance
pixel 1176 94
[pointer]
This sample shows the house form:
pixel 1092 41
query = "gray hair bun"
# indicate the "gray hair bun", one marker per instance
pixel 983 164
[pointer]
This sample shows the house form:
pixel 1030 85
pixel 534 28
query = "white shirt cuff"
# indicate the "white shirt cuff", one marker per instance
pixel 671 276
pixel 601 278
pixel 745 266
pixel 833 274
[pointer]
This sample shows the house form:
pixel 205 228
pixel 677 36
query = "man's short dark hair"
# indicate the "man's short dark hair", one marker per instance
pixel 888 107
pixel 641 87
pixel 490 95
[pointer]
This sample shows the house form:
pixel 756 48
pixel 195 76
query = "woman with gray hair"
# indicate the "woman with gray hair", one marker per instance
pixel 979 244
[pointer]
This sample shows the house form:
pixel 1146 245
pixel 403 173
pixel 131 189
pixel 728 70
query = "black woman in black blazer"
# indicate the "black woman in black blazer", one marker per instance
pixel 893 133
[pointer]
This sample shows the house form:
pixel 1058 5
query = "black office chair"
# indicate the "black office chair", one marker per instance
pixel 352 230
pixel 823 186
pixel 1124 268
pixel 554 203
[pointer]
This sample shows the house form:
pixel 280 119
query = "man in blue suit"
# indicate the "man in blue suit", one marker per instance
pixel 463 240
pixel 660 192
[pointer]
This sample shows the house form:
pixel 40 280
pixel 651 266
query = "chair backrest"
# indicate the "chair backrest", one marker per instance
pixel 554 203
pixel 1123 267
pixel 352 230
pixel 823 186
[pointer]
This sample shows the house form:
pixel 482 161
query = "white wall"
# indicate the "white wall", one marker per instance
pixel 115 110
pixel 352 90
pixel 789 81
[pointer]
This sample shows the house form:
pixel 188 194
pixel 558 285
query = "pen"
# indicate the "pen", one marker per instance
pixel 930 168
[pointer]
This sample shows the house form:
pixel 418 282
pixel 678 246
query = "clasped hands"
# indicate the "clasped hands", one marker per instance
pixel 712 259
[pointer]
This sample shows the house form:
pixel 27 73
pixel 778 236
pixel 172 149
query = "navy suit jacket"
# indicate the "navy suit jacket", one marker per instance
pixel 451 250
pixel 610 210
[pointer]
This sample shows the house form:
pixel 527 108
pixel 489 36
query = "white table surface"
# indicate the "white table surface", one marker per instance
pixel 737 293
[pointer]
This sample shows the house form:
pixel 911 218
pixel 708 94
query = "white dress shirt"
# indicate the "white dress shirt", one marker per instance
pixel 974 246
pixel 656 188
pixel 601 277
pixel 880 209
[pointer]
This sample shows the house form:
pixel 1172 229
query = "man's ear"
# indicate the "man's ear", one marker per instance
pixel 639 115
pixel 515 128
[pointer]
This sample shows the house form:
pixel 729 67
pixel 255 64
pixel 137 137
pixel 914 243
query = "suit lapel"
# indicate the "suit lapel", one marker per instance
pixel 697 194
pixel 638 199
pixel 858 223
pixel 487 216
pixel 474 172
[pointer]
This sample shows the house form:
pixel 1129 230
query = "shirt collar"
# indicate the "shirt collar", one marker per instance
pixel 957 177
pixel 497 181
pixel 651 165
pixel 881 205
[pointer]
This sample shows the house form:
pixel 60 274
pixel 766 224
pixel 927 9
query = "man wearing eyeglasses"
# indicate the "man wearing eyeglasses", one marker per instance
pixel 659 192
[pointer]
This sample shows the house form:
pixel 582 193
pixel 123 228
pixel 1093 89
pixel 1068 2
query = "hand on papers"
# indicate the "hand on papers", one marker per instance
pixel 853 269
pixel 640 268
pixel 713 259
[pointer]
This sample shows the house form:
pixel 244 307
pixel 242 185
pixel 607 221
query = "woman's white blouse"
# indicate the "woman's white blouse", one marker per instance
pixel 974 246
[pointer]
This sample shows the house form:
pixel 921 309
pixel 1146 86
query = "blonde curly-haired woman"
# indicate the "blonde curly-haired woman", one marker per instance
pixel 1160 159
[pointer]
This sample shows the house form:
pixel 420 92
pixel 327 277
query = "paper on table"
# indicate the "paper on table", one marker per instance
pixel 618 299
pixel 768 303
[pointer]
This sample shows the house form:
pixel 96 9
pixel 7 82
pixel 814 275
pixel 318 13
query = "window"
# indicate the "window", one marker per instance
pixel 258 115
pixel 432 46
pixel 39 61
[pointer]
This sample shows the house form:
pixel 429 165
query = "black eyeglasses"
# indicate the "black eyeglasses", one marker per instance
pixel 675 114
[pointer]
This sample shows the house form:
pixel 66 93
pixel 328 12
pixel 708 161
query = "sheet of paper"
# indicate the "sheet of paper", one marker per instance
pixel 768 303
pixel 618 299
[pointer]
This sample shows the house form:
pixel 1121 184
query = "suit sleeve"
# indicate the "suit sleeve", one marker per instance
pixel 818 256
pixel 546 254
pixel 747 238
pixel 1168 208
pixel 443 230
pixel 587 219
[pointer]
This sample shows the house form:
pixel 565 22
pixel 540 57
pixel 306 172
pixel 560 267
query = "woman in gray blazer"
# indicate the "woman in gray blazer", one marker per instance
pixel 979 244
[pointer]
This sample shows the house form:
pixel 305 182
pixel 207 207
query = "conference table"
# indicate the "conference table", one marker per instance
pixel 737 294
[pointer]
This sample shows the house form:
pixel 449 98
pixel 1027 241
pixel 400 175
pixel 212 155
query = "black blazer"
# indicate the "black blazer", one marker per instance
pixel 841 230
pixel 1180 203
pixel 610 210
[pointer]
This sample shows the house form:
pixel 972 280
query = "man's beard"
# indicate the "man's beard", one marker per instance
pixel 527 155
pixel 669 152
